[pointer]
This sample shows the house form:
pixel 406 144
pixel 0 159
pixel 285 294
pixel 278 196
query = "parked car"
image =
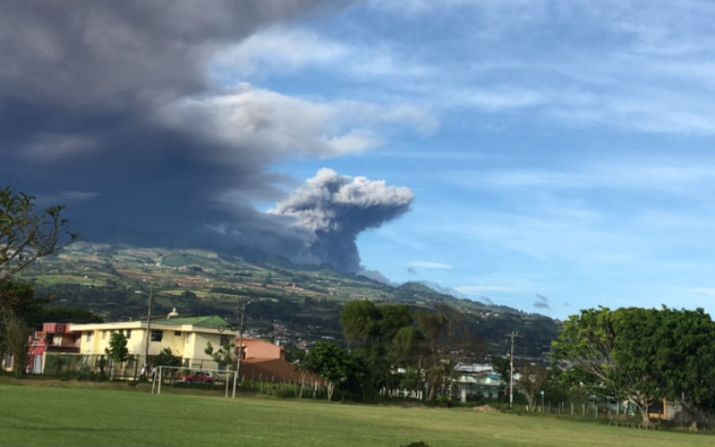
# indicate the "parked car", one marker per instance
pixel 198 377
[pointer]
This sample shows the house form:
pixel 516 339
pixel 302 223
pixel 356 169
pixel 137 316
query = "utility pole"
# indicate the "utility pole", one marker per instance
pixel 148 328
pixel 240 343
pixel 511 371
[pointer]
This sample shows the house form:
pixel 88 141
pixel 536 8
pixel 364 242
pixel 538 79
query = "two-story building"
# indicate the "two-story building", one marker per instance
pixel 187 337
pixel 53 338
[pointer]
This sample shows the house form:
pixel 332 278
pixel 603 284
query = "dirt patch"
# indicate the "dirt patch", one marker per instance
pixel 486 409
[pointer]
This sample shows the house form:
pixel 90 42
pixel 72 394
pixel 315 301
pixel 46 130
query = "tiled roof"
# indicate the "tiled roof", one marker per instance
pixel 211 321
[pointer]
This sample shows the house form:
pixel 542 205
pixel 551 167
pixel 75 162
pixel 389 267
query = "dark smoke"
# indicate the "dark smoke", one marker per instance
pixel 337 208
pixel 106 107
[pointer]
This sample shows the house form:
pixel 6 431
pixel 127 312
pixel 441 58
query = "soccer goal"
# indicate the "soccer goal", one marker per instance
pixel 199 378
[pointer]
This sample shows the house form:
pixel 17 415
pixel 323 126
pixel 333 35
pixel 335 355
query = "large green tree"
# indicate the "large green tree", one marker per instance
pixel 643 355
pixel 450 337
pixel 685 360
pixel 343 371
pixel 611 351
pixel 372 333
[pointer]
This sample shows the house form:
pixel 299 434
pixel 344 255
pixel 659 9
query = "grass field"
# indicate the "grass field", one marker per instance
pixel 47 416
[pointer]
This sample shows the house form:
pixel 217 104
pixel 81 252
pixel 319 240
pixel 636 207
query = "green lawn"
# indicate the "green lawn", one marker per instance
pixel 46 416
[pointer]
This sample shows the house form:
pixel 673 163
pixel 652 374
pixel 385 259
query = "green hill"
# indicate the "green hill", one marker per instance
pixel 297 303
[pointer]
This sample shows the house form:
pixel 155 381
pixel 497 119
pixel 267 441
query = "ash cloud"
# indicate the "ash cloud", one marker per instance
pixel 108 108
pixel 337 208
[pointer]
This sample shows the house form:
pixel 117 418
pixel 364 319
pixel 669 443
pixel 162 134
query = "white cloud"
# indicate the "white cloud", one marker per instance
pixel 703 291
pixel 279 49
pixel 276 125
pixel 635 66
pixel 283 50
pixel 430 265
pixel 671 176
pixel 478 290
pixel 50 147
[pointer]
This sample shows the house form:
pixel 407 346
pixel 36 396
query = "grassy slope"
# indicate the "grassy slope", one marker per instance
pixel 34 416
pixel 103 279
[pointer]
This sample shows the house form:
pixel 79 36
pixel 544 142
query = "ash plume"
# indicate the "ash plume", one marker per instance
pixel 109 108
pixel 337 208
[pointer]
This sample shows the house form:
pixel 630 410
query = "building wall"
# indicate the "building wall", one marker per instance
pixel 261 349
pixel 188 343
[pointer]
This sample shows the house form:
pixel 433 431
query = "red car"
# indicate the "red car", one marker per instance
pixel 198 377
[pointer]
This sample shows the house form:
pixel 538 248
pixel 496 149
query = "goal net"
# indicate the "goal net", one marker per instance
pixel 186 379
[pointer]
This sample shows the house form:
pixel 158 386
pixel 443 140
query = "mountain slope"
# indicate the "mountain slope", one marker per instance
pixel 293 303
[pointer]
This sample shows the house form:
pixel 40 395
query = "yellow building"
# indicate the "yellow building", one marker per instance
pixel 187 337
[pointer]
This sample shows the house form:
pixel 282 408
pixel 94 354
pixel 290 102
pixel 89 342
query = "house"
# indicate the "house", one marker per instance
pixel 477 381
pixel 54 337
pixel 263 360
pixel 187 337
pixel 254 348
pixel 664 410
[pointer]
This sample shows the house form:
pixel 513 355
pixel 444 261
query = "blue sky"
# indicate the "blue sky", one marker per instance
pixel 559 153
pixel 560 149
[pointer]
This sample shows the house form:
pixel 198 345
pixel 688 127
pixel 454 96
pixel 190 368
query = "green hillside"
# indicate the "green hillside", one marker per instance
pixel 298 303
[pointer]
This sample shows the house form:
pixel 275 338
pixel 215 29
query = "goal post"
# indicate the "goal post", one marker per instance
pixel 187 376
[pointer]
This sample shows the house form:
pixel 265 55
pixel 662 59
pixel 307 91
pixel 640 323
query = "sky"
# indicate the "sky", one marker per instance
pixel 545 155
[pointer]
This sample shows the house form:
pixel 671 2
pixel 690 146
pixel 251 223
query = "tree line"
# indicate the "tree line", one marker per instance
pixel 392 346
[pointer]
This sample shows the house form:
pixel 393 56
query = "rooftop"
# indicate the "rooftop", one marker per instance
pixel 210 321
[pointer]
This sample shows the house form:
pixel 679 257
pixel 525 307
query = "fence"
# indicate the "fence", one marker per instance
pixel 173 378
pixel 401 394
pixel 84 366
pixel 615 413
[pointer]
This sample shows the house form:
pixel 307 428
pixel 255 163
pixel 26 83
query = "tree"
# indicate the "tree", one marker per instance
pixel 502 366
pixel 117 351
pixel 407 348
pixel 224 357
pixel 450 337
pixel 342 370
pixel 532 381
pixel 18 298
pixel 613 353
pixel 15 335
pixel 167 358
pixel 26 235
pixel 20 310
pixel 684 361
pixel 371 332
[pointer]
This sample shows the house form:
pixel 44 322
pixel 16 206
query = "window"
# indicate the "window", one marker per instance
pixel 104 335
pixel 88 337
pixel 129 333
pixel 177 333
pixel 225 340
pixel 157 335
